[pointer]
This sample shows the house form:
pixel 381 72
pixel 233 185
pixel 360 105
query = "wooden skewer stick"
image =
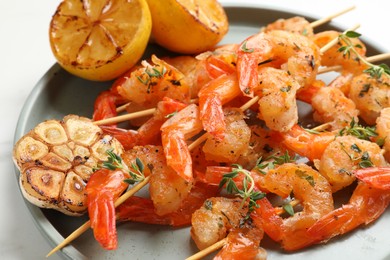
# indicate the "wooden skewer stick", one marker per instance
pixel 371 59
pixel 330 17
pixel 87 224
pixel 222 242
pixel 117 119
pixel 208 250
pixel 122 108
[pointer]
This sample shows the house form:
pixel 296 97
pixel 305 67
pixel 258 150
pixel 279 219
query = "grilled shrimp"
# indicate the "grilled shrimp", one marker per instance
pixel 166 188
pixel 215 219
pixel 106 103
pixel 295 24
pixel 143 210
pixel 243 243
pixel 149 132
pixel 211 98
pixel 294 53
pixel 277 103
pixel 333 56
pixel 331 106
pixel 263 143
pixel 235 139
pixel 377 177
pixel 345 154
pixel 103 188
pixel 305 143
pixel 383 130
pixel 149 84
pixel 370 95
pixel 309 187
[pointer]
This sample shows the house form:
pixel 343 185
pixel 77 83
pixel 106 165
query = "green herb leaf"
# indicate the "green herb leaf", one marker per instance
pixel 245 49
pixel 356 148
pixel 140 165
pixel 303 175
pixel 289 209
pixel 352 34
pixel 208 204
pixel 129 181
pixel 285 89
pixel 365 161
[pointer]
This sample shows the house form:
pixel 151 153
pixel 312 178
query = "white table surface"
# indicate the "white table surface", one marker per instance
pixel 26 56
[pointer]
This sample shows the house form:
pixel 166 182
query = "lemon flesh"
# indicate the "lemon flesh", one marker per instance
pixel 100 40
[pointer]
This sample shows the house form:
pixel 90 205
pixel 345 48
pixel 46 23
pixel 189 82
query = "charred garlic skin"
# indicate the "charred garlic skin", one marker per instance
pixel 56 160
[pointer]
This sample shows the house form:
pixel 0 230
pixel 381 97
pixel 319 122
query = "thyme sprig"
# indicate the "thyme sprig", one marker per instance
pixel 248 185
pixel 375 71
pixel 359 131
pixel 272 160
pixel 136 170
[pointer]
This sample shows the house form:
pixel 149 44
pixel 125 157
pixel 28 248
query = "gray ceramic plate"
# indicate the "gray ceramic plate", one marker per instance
pixel 58 94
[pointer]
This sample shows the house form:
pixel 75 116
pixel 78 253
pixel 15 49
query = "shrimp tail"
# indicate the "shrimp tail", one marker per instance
pixel 103 188
pixel 177 154
pixel 212 116
pixel 247 74
pixel 332 224
pixel 103 221
pixel 105 104
pixel 142 210
pixel 378 177
pixel 269 219
pixel 306 144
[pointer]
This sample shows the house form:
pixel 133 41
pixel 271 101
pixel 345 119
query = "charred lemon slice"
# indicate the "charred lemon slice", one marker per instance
pixel 188 26
pixel 99 40
pixel 56 159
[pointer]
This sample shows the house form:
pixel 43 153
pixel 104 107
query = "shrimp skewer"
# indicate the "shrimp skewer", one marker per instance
pixel 149 112
pixel 314 191
pixel 221 216
pixel 144 182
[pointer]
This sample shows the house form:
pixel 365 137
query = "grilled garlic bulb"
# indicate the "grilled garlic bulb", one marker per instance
pixel 56 159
